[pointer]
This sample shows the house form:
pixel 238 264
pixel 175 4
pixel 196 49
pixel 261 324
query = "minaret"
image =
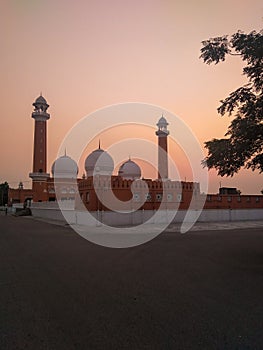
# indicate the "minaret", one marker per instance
pixel 162 134
pixel 39 174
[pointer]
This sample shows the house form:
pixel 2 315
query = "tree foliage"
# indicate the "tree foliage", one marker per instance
pixel 243 142
pixel 4 193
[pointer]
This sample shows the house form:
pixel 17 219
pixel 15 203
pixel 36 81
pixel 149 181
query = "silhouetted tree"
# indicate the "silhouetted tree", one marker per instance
pixel 243 142
pixel 4 193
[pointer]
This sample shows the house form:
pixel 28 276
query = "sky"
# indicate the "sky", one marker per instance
pixel 85 55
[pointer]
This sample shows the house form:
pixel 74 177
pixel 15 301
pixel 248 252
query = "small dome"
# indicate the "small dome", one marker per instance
pixel 162 127
pixel 40 104
pixel 64 167
pixel 99 162
pixel 162 121
pixel 41 99
pixel 130 170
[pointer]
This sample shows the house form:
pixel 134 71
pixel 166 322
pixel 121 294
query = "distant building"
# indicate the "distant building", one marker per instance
pixel 19 194
pixel 228 190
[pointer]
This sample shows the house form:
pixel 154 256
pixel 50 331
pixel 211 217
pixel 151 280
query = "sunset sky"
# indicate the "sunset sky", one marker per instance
pixel 84 55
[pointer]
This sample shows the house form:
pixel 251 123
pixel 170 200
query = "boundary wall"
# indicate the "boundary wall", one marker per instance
pixel 51 211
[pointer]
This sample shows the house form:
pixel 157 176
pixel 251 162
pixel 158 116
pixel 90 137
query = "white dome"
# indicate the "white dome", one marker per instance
pixel 64 167
pixel 130 170
pixel 99 162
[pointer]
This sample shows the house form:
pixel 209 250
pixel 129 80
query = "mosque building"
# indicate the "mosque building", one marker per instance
pixel 99 189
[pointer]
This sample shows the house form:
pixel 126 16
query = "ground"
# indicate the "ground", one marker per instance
pixel 200 290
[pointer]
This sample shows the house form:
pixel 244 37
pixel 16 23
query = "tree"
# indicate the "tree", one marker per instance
pixel 243 142
pixel 4 193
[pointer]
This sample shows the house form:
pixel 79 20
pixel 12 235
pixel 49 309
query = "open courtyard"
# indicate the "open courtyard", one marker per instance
pixel 200 290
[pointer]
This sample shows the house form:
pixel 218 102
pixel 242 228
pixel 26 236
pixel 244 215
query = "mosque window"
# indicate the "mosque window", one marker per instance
pixel 248 199
pixel 148 197
pixel 219 199
pixel 209 198
pixel 239 199
pixel 159 197
pixel 136 197
pixel 179 197
pixel 229 198
pixel 257 199
pixel 169 197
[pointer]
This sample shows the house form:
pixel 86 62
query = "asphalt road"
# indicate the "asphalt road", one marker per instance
pixel 201 290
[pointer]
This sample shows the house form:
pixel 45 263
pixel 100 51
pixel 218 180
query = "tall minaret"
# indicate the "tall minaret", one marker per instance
pixel 39 174
pixel 162 134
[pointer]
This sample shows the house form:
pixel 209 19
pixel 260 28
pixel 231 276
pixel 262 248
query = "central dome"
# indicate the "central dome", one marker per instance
pixel 130 170
pixel 64 167
pixel 99 162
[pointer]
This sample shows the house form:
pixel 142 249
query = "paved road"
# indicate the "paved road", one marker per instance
pixel 202 290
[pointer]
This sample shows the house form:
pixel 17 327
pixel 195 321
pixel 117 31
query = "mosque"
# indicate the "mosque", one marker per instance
pixel 99 189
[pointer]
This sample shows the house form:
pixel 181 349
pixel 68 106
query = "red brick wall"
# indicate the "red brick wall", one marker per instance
pixel 16 195
pixel 172 194
pixel 215 201
pixel 40 193
pixel 171 191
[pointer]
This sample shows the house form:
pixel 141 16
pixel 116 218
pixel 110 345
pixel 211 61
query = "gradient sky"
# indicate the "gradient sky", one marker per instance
pixel 84 55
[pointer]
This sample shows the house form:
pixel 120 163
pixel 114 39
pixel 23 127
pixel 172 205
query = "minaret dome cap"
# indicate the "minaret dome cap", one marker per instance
pixel 162 121
pixel 41 104
pixel 41 99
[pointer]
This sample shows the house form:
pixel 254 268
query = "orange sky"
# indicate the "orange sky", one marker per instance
pixel 84 55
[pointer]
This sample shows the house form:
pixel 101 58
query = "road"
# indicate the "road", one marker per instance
pixel 201 290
